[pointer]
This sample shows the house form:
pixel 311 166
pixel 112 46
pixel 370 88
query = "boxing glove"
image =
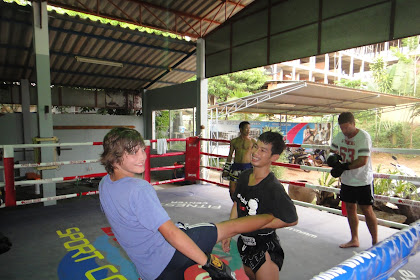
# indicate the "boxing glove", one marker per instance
pixel 217 269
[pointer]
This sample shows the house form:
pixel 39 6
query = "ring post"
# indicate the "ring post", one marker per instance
pixel 9 176
pixel 147 163
pixel 192 159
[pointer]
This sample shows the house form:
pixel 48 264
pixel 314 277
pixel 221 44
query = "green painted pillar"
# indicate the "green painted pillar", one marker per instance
pixel 202 86
pixel 43 83
pixel 147 115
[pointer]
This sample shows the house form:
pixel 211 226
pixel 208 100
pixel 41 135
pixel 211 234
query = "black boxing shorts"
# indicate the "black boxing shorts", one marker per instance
pixel 236 170
pixel 252 250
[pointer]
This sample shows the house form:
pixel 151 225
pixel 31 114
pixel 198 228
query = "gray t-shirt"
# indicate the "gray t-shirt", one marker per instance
pixel 135 215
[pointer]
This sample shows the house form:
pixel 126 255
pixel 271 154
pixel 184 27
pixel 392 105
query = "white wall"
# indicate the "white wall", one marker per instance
pixel 11 133
pixel 87 135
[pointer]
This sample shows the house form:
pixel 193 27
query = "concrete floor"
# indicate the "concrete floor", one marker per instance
pixel 48 242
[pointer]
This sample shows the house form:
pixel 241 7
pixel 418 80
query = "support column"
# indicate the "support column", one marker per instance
pixel 326 68
pixel 42 58
pixel 280 75
pixel 340 68
pixel 362 68
pixel 312 65
pixel 147 116
pixel 26 116
pixel 202 96
pixel 274 72
pixel 202 86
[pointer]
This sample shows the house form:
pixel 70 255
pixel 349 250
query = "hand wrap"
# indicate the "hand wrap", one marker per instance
pixel 226 170
pixel 217 269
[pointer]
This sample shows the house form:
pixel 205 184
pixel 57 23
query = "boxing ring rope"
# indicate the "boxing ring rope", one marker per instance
pixel 55 163
pixel 394 200
pixel 377 150
pixel 9 166
pixel 328 189
pixel 148 170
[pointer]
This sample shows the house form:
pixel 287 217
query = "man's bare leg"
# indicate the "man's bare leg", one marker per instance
pixel 354 226
pixel 249 273
pixel 371 222
pixel 232 188
pixel 269 270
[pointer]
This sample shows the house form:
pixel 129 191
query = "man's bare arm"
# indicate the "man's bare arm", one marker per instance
pixel 182 242
pixel 359 162
pixel 277 223
pixel 231 150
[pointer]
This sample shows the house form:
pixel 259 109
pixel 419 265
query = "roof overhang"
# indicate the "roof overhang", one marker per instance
pixel 312 99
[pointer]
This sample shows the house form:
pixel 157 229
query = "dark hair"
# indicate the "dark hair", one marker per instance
pixel 243 124
pixel 117 142
pixel 276 141
pixel 346 117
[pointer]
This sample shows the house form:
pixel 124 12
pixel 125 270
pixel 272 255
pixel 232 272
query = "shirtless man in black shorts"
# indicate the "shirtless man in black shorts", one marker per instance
pixel 258 191
pixel 241 146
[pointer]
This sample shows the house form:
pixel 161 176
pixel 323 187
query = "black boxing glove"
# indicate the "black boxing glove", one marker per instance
pixel 339 169
pixel 217 269
pixel 334 160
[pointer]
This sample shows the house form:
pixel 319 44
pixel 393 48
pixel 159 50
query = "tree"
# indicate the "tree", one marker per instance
pixel 405 78
pixel 237 84
pixel 357 84
pixel 381 75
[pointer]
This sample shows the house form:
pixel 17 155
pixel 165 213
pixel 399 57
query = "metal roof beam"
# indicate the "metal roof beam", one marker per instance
pixel 128 63
pixel 234 106
pixel 169 70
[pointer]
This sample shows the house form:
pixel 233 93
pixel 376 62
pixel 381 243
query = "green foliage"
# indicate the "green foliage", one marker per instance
pixel 400 78
pixel 387 134
pixel 86 109
pixel 236 94
pixel 111 111
pixel 381 76
pixel 162 123
pixel 237 84
pixel 327 180
pixel 279 170
pixel 398 188
pixel 358 84
pixel 382 186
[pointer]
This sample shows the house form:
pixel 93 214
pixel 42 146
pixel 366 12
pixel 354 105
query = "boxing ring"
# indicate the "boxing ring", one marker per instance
pixel 73 239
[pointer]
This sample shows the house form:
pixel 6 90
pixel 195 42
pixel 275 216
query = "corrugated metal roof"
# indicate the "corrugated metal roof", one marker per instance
pixel 149 60
pixel 193 18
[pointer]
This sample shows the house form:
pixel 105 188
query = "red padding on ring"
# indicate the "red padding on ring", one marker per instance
pixel 9 178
